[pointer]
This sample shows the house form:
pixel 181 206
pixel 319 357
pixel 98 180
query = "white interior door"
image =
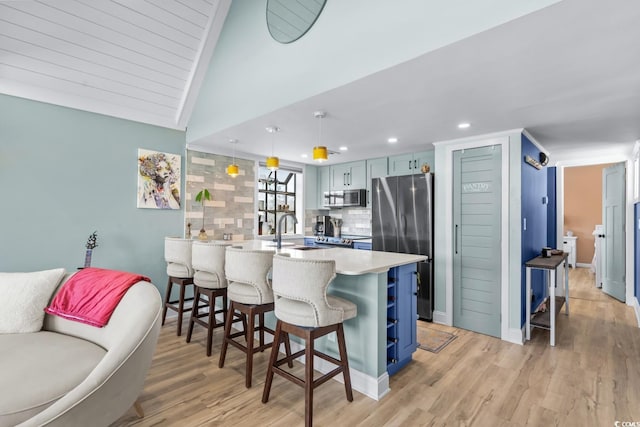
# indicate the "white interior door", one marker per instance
pixel 613 243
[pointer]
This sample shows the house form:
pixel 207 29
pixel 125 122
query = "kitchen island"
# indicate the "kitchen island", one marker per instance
pixel 382 337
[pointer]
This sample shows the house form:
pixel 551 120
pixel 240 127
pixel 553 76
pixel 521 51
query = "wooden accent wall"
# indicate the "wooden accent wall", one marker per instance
pixel 583 206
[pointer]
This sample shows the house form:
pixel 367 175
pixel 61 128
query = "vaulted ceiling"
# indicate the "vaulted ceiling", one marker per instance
pixel 568 74
pixel 131 59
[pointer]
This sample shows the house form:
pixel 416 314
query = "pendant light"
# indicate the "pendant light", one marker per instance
pixel 320 152
pixel 233 170
pixel 273 162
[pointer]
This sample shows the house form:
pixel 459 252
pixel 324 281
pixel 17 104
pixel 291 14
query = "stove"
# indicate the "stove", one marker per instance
pixel 346 241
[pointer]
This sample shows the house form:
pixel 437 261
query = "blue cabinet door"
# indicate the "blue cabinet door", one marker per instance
pixel 401 316
pixel 407 288
pixel 309 241
pixel 362 245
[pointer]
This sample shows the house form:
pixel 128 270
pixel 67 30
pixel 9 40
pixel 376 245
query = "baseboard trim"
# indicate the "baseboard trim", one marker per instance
pixel 636 308
pixel 440 317
pixel 583 265
pixel 375 388
pixel 515 336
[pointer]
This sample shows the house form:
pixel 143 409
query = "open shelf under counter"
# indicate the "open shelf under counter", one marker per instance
pixel 542 319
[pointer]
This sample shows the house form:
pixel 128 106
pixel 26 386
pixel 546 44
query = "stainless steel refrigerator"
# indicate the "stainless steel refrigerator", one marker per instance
pixel 402 221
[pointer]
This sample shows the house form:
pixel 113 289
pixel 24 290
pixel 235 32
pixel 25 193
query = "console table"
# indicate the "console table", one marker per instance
pixel 547 319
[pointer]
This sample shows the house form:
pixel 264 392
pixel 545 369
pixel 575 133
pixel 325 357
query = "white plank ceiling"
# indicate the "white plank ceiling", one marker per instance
pixel 133 59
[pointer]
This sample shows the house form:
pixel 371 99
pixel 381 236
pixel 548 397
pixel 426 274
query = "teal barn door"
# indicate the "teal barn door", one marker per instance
pixel 477 207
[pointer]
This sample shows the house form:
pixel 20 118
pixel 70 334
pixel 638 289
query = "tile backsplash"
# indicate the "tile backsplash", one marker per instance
pixel 354 220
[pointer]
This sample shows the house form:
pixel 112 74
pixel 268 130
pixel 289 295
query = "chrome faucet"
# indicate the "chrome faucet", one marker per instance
pixel 279 233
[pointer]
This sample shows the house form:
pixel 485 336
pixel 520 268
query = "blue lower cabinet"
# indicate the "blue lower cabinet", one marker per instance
pixel 401 316
pixel 362 245
pixel 309 241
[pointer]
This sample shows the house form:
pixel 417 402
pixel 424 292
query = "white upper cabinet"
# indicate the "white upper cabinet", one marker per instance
pixel 358 175
pixel 348 176
pixel 409 164
pixel 324 173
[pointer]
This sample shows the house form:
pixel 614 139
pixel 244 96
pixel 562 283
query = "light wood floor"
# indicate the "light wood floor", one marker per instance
pixel 591 378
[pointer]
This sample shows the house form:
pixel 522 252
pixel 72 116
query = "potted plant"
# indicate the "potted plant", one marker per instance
pixel 203 195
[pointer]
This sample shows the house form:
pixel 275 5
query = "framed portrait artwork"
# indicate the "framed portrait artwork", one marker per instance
pixel 158 180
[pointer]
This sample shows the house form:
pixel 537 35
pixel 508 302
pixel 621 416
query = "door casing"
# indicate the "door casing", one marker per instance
pixel 503 138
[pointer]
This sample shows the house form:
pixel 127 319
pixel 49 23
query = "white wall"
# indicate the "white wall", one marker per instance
pixel 251 74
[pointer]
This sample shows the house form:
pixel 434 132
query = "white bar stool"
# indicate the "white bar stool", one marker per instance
pixel 303 308
pixel 210 281
pixel 177 254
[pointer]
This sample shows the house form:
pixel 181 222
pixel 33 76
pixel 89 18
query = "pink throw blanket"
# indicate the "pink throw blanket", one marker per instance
pixel 91 295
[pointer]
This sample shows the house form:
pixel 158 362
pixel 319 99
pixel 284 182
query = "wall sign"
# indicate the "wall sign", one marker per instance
pixel 476 187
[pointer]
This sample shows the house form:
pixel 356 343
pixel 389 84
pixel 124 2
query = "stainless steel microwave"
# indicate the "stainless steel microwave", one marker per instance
pixel 345 198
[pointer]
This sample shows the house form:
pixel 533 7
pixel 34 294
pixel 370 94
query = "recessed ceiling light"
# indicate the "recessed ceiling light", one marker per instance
pixel 343 148
pixel 392 140
pixel 304 156
pixel 464 125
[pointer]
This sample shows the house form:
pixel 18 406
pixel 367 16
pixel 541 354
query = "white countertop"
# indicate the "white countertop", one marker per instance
pixel 348 261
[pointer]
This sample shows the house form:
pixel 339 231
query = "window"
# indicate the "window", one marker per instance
pixel 279 193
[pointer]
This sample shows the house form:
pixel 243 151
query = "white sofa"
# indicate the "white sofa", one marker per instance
pixel 72 374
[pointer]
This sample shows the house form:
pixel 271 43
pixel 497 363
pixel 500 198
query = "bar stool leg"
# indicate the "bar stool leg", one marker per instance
pixel 212 321
pixel 261 320
pixel 181 309
pixel 342 348
pixel 308 383
pixel 194 312
pixel 250 331
pixel 287 347
pixel 225 308
pixel 272 361
pixel 167 296
pixel 227 334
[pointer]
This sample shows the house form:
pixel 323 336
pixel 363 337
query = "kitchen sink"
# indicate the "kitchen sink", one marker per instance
pixel 276 244
pixel 307 248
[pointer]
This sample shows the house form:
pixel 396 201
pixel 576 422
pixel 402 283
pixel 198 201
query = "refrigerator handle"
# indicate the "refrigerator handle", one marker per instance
pixel 456 240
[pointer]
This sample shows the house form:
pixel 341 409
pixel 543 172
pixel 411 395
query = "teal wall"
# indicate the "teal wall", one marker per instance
pixel 250 74
pixel 65 173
